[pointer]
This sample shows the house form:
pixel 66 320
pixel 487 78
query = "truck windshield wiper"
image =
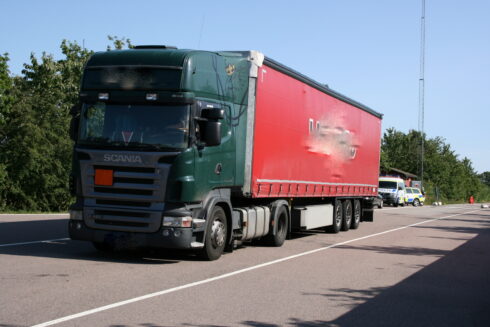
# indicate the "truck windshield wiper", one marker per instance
pixel 96 141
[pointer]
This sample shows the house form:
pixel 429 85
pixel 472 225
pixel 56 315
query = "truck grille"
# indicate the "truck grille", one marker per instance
pixel 135 200
pixel 117 203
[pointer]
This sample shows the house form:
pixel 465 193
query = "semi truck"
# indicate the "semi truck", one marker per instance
pixel 201 150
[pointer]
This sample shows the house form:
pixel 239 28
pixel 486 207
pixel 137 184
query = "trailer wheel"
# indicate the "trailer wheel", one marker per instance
pixel 356 215
pixel 281 220
pixel 216 232
pixel 337 218
pixel 346 215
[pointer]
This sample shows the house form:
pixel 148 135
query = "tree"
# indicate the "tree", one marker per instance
pixel 119 43
pixel 485 177
pixel 454 178
pixel 35 149
pixel 5 103
pixel 36 131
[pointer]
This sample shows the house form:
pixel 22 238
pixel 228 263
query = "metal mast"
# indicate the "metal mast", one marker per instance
pixel 421 91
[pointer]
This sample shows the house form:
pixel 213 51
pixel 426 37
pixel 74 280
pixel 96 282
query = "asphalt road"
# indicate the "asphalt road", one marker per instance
pixel 426 266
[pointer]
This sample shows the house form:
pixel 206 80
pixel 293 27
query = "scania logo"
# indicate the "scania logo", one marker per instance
pixel 122 158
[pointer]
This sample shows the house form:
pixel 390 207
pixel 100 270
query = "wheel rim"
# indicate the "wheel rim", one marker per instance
pixel 218 233
pixel 357 213
pixel 338 216
pixel 348 214
pixel 281 227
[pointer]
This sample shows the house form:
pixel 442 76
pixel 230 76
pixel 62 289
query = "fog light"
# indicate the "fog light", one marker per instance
pixel 76 214
pixel 103 96
pixel 151 96
pixel 166 232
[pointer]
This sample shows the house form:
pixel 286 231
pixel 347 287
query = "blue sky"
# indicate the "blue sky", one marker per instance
pixel 367 49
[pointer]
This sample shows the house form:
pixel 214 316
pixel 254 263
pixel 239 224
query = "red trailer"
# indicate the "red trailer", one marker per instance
pixel 310 141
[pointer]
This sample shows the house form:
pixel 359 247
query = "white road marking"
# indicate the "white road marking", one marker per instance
pixel 209 280
pixel 34 242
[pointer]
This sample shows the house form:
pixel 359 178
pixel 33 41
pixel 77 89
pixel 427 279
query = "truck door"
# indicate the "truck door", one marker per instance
pixel 215 165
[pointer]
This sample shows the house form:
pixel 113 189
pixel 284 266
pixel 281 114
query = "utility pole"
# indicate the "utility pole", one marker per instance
pixel 421 92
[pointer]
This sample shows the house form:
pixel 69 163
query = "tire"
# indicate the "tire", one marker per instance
pixel 216 232
pixel 281 221
pixel 337 218
pixel 356 214
pixel 416 202
pixel 346 215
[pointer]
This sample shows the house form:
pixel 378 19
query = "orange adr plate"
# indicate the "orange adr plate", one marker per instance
pixel 104 177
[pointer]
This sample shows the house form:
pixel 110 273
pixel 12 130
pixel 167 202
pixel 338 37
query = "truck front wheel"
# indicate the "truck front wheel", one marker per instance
pixel 216 232
pixel 281 222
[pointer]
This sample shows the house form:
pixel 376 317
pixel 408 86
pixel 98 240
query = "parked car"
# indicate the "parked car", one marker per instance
pixel 414 196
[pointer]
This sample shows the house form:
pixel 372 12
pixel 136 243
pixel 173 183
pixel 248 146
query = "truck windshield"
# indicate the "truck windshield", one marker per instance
pixel 135 126
pixel 386 184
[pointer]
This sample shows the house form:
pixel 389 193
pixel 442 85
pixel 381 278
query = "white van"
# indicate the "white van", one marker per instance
pixel 392 189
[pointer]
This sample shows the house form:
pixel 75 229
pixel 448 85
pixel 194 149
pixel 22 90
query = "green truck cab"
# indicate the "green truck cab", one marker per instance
pixel 199 150
pixel 128 170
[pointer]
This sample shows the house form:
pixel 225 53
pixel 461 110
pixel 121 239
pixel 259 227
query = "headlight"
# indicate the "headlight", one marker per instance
pixel 177 221
pixel 76 214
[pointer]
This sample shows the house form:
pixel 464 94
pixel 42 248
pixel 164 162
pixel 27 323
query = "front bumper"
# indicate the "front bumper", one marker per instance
pixel 390 199
pixel 165 237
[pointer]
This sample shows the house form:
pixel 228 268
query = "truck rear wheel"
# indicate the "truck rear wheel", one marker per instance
pixel 356 215
pixel 346 215
pixel 337 218
pixel 216 232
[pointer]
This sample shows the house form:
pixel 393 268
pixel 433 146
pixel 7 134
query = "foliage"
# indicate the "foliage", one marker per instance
pixel 445 175
pixel 5 103
pixel 35 148
pixel 119 43
pixel 485 178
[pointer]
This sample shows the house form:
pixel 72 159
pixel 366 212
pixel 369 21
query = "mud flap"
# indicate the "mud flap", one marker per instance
pixel 367 215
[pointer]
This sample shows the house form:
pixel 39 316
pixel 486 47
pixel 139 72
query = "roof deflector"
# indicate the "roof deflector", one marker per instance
pixel 155 47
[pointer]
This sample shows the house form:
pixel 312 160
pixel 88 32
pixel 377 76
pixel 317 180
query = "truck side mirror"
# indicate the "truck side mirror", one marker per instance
pixel 213 113
pixel 75 122
pixel 210 126
pixel 210 132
